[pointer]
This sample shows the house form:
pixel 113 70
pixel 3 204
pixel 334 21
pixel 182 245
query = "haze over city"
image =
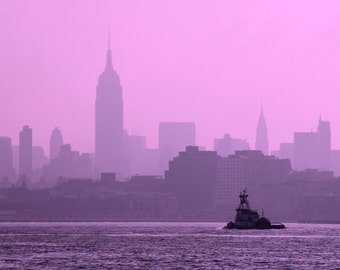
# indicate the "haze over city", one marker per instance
pixel 147 134
pixel 209 63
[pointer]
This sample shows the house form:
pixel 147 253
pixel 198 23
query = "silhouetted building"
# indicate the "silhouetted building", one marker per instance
pixel 68 164
pixel 7 172
pixel 286 151
pixel 192 177
pixel 324 144
pixel 143 161
pixel 261 135
pixel 335 162
pixel 134 146
pixel 150 165
pixel 39 159
pixel 305 150
pixel 228 145
pixel 56 141
pixel 109 120
pixel 312 150
pixel 25 152
pixel 174 137
pixel 108 179
pixel 247 169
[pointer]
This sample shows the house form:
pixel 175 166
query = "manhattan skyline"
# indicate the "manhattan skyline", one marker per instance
pixel 214 70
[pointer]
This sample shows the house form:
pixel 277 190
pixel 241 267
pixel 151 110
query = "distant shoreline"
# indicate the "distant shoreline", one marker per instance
pixel 154 220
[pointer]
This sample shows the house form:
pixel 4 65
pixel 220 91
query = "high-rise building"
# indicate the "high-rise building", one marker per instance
pixel 324 144
pixel 25 152
pixel 247 169
pixel 305 151
pixel 6 159
pixel 312 150
pixel 228 145
pixel 174 137
pixel 286 151
pixel 68 164
pixel 192 177
pixel 56 141
pixel 109 119
pixel 261 135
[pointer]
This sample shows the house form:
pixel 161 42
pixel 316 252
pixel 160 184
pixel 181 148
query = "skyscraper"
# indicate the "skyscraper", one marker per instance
pixel 109 119
pixel 25 152
pixel 174 137
pixel 192 177
pixel 261 135
pixel 324 144
pixel 312 150
pixel 6 158
pixel 228 145
pixel 56 141
pixel 305 151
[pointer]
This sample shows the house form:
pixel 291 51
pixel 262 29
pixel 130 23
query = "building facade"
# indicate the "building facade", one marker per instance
pixel 25 152
pixel 56 141
pixel 174 137
pixel 192 177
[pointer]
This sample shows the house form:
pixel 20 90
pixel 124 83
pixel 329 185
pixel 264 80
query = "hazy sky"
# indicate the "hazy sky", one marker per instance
pixel 211 62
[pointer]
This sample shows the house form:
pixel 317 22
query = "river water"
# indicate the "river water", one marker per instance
pixel 87 245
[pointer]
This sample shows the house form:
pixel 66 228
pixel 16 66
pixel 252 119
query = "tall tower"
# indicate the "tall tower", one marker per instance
pixel 174 137
pixel 261 135
pixel 324 144
pixel 109 119
pixel 25 152
pixel 56 141
pixel 6 159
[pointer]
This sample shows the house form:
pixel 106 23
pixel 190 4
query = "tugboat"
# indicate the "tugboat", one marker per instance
pixel 246 218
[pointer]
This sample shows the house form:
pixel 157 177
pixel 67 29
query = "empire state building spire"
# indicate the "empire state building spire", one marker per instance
pixel 109 55
pixel 109 119
pixel 261 134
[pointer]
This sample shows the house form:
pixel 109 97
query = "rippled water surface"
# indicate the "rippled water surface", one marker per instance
pixel 166 246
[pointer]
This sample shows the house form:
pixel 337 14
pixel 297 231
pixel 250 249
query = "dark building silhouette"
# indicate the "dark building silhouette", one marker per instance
pixel 108 179
pixel 25 152
pixel 56 141
pixel 305 150
pixel 324 144
pixel 39 159
pixel 312 150
pixel 142 160
pixel 228 145
pixel 173 137
pixel 261 135
pixel 68 164
pixel 286 151
pixel 150 162
pixel 335 162
pixel 247 169
pixel 109 120
pixel 191 177
pixel 7 172
pixel 134 147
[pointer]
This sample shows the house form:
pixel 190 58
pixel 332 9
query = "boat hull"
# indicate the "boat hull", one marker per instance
pixel 231 225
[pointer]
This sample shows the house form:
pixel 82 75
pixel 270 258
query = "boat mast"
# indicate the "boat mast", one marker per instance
pixel 244 204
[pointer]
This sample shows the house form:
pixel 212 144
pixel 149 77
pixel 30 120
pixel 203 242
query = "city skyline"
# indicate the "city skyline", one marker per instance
pixel 149 134
pixel 55 72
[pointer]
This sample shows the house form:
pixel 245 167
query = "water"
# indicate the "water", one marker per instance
pixel 166 246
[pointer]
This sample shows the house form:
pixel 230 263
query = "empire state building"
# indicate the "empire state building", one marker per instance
pixel 109 119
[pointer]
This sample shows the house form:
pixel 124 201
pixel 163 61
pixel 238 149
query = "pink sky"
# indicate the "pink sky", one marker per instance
pixel 211 62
